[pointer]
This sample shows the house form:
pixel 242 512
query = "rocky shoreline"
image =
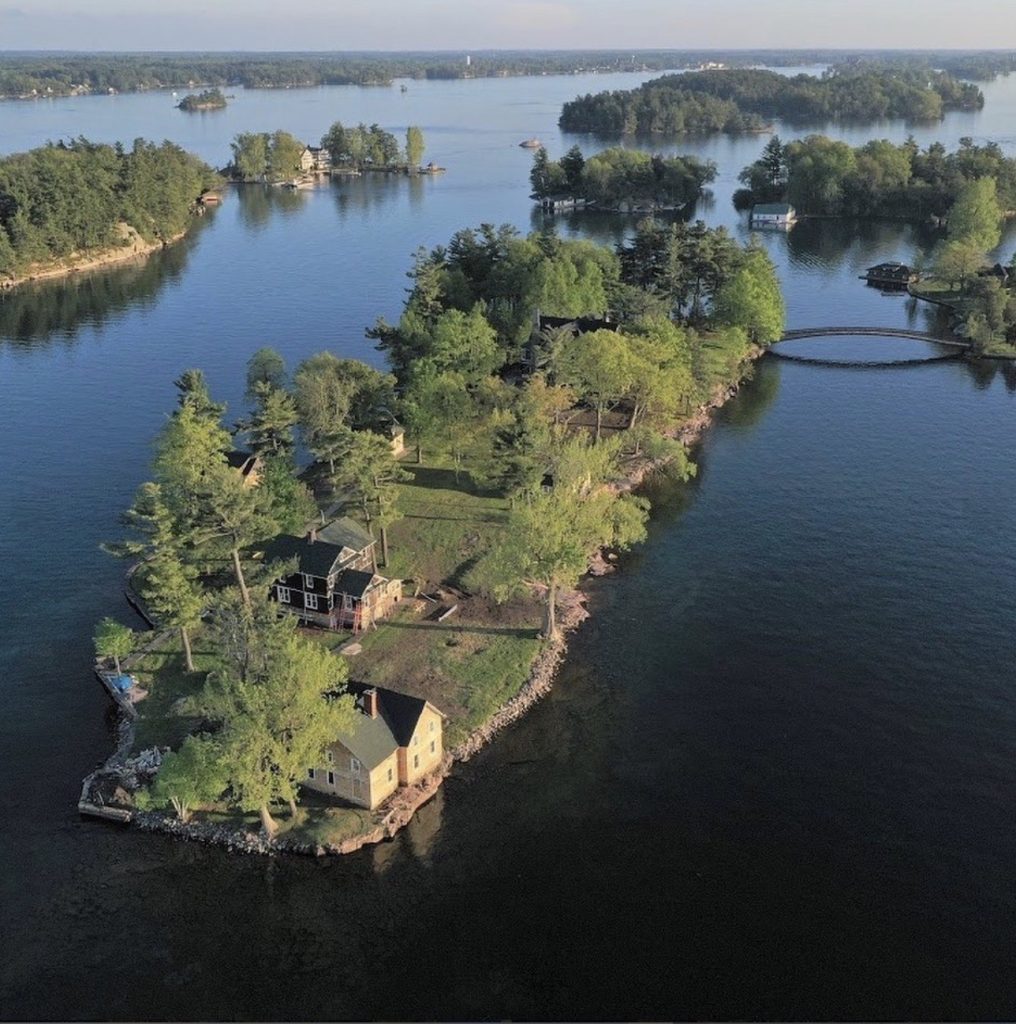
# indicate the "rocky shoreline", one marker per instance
pixel 120 772
pixel 134 248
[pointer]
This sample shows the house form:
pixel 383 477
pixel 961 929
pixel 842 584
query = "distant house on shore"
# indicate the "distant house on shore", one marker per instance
pixel 890 275
pixel 315 158
pixel 773 215
pixel 248 465
pixel 395 741
pixel 335 585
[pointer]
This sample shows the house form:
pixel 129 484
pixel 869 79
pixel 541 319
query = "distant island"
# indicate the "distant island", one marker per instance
pixel 210 99
pixel 746 100
pixel 70 206
pixel 618 179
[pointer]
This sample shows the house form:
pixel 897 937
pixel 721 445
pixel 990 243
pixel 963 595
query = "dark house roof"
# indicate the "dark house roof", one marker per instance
pixel 353 582
pixel 244 461
pixel 578 324
pixel 400 712
pixel 345 533
pixel 316 558
pixel 894 270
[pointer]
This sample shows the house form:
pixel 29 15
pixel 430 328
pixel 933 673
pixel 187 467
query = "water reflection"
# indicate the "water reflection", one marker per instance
pixel 56 310
pixel 258 203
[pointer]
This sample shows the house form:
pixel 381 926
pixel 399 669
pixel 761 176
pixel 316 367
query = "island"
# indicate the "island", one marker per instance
pixel 623 180
pixel 329 638
pixel 210 99
pixel 280 158
pixel 748 99
pixel 71 206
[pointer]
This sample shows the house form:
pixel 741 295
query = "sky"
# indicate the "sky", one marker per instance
pixel 504 24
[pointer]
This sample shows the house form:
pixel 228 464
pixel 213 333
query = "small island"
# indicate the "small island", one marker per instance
pixel 93 204
pixel 622 180
pixel 210 99
pixel 279 158
pixel 329 638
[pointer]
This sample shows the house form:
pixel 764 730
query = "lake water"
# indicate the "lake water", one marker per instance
pixel 776 776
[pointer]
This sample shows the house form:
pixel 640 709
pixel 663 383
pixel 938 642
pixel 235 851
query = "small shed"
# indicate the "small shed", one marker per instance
pixel 397 437
pixel 890 275
pixel 773 215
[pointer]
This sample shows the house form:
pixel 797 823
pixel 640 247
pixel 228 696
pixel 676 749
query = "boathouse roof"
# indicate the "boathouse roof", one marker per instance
pixel 772 209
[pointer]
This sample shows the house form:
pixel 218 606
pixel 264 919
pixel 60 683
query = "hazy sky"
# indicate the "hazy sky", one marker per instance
pixel 536 24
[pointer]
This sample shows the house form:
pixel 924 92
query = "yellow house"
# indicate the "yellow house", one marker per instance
pixel 396 741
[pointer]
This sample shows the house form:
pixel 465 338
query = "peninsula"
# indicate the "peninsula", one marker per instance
pixel 532 419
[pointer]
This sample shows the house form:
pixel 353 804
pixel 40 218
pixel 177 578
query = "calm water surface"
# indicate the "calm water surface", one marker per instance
pixel 776 777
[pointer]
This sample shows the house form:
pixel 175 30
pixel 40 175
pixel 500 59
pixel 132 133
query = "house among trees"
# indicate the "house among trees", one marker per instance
pixel 890 275
pixel 773 215
pixel 335 585
pixel 395 741
pixel 545 327
pixel 249 466
pixel 315 158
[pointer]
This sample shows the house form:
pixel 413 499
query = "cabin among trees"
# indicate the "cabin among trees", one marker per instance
pixel 395 741
pixel 315 158
pixel 248 465
pixel 547 329
pixel 335 585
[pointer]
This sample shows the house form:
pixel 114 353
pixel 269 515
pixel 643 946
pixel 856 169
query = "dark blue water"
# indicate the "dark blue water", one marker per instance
pixel 775 778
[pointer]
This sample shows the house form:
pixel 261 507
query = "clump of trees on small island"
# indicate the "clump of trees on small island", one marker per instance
pixel 520 412
pixel 80 197
pixel 746 99
pixel 210 99
pixel 276 156
pixel 617 179
pixel 819 175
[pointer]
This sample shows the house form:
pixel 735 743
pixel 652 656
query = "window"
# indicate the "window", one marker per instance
pixel 330 756
pixel 433 747
pixel 354 766
pixel 389 775
pixel 310 773
pixel 416 760
pixel 432 726
pixel 347 601
pixel 331 778
pixel 283 594
pixel 308 581
pixel 311 601
pixel 416 741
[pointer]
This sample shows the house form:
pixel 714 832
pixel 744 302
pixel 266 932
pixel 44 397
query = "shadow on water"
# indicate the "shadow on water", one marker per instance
pixel 56 310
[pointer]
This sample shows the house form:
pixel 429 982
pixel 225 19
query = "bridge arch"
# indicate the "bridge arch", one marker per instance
pixel 958 345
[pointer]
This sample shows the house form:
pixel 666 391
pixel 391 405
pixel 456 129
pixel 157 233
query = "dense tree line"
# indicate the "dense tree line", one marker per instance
pixel 621 177
pixel 745 99
pixel 81 197
pixel 819 175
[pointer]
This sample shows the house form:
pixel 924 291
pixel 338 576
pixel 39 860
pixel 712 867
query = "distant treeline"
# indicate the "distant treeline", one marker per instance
pixel 743 100
pixel 819 175
pixel 82 197
pixel 975 66
pixel 618 178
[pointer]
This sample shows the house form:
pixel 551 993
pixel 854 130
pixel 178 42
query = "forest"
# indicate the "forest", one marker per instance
pixel 533 425
pixel 80 197
pixel 621 178
pixel 745 100
pixel 819 175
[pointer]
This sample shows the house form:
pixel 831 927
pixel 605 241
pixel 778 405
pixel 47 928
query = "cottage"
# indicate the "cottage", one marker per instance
pixel 248 465
pixel 536 352
pixel 890 275
pixel 397 439
pixel 773 215
pixel 395 741
pixel 335 584
pixel 315 158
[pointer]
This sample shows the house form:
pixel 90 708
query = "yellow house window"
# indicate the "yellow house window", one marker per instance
pixel 433 747
pixel 432 726
pixel 416 760
pixel 389 775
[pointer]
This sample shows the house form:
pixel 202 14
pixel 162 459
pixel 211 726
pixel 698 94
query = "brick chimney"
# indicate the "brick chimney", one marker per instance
pixel 370 702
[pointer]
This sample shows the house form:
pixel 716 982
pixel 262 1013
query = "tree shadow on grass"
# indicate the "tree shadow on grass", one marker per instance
pixel 522 633
pixel 437 478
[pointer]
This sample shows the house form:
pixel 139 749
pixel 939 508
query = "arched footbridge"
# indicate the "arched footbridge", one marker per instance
pixel 958 346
